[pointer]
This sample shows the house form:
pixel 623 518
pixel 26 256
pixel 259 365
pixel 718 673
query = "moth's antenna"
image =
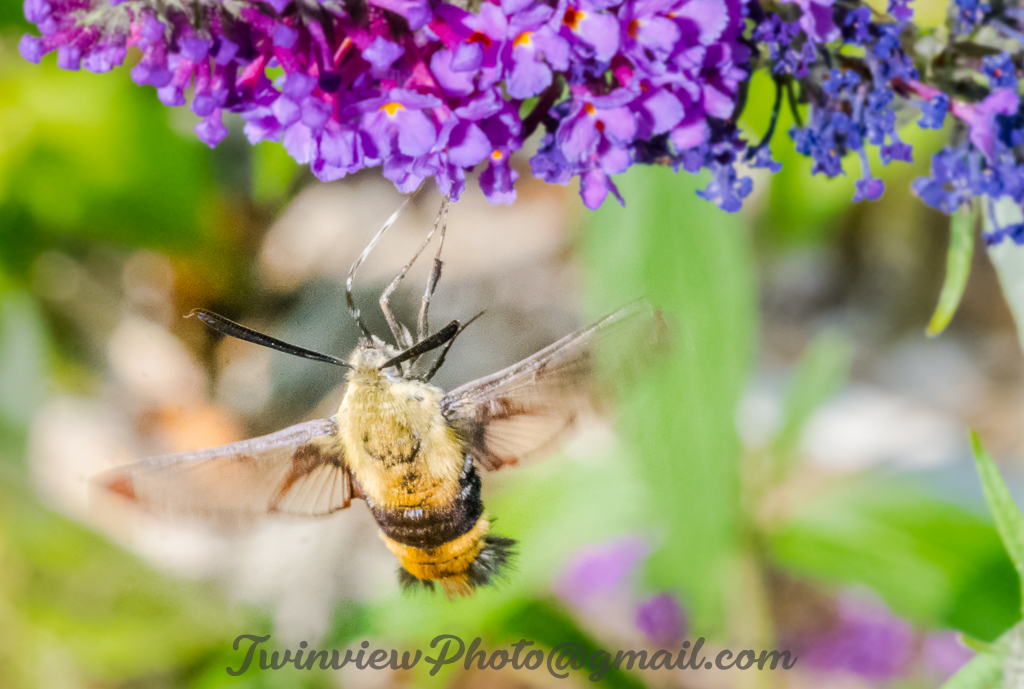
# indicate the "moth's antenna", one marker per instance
pixel 435 273
pixel 359 261
pixel 229 327
pixel 448 345
pixel 423 346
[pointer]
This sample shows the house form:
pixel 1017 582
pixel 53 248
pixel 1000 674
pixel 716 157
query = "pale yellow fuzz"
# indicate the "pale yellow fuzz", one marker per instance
pixel 380 422
pixel 448 563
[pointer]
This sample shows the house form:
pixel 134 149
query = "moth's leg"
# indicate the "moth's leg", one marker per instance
pixel 402 336
pixel 359 261
pixel 435 273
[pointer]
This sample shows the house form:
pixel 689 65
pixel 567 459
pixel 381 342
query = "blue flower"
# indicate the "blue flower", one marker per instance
pixel 933 112
pixel 1000 71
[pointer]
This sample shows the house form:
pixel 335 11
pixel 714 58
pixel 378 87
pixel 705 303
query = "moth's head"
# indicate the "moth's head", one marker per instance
pixel 367 359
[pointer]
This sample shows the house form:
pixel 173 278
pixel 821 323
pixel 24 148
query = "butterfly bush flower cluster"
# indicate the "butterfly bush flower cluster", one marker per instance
pixel 438 89
pixel 426 89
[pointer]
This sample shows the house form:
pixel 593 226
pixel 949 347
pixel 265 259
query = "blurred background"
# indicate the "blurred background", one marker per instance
pixel 795 475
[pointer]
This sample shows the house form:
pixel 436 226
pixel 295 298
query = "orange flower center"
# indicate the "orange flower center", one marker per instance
pixel 392 108
pixel 573 18
pixel 589 107
pixel 522 39
pixel 497 155
pixel 634 28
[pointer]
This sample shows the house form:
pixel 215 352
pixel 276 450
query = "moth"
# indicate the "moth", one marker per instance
pixel 411 451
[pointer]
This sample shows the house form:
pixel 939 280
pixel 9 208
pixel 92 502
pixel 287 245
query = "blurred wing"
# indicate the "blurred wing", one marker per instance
pixel 298 471
pixel 526 409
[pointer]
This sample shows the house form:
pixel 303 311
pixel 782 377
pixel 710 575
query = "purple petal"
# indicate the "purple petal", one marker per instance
pixel 203 104
pixel 578 139
pixel 226 51
pixel 600 31
pixel 104 58
pixel 211 131
pixel 299 142
pixel 819 24
pixel 31 48
pixel 157 76
pixel 868 641
pixel 195 49
pixel 658 34
pixel 601 568
pixel 382 53
pixel 508 6
pixel 315 114
pixel 69 57
pixel 528 78
pixel 497 181
pixel 416 12
pixel 619 124
pixel 414 99
pixel 454 83
pixel 416 133
pixel 718 104
pixel 869 189
pixel 553 48
pixel 298 85
pixel 152 29
pixel 594 188
pixel 661 619
pixel 710 16
pixel 614 160
pixel 467 57
pixel 285 37
pixel 36 11
pixel 944 653
pixel 286 111
pixel 659 112
pixel 467 145
pixel 690 134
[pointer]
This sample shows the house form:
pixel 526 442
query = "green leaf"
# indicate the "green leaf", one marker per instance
pixel 930 561
pixel 958 267
pixel 823 368
pixel 1009 520
pixel 693 261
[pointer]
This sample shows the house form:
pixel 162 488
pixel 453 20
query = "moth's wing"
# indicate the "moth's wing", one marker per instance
pixel 526 409
pixel 299 470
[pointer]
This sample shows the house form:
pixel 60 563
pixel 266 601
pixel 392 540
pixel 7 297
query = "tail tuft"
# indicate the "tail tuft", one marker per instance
pixel 409 581
pixel 494 557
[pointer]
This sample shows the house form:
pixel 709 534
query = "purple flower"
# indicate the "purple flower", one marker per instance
pixel 661 619
pixel 599 569
pixel 399 118
pixel 816 19
pixel 943 653
pixel 534 52
pixel 867 640
pixel 901 10
pixel 431 90
pixel 982 119
pixel 592 32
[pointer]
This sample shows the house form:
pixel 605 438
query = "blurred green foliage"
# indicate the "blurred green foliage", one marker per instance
pixel 694 263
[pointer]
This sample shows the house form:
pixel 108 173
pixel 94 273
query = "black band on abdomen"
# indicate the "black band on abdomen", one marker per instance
pixel 433 527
